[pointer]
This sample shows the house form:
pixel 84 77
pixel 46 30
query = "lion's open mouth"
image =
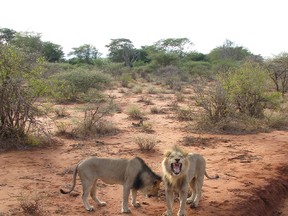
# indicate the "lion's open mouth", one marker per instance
pixel 176 168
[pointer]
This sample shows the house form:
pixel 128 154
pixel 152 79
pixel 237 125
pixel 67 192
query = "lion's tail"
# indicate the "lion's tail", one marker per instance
pixel 213 177
pixel 74 181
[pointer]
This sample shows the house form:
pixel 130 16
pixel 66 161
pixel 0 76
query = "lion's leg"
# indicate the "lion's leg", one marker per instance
pixel 93 194
pixel 193 189
pixel 198 191
pixel 133 198
pixel 86 185
pixel 183 198
pixel 169 201
pixel 126 192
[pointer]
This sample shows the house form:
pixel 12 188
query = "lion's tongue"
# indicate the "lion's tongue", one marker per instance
pixel 176 168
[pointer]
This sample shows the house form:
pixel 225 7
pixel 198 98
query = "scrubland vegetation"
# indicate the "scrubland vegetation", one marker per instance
pixel 234 90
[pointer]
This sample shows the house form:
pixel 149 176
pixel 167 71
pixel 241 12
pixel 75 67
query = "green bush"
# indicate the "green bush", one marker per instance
pixel 134 112
pixel 21 84
pixel 72 83
pixel 196 68
pixel 248 88
pixel 238 100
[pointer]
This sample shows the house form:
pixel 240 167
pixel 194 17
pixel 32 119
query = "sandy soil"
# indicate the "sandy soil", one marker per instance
pixel 253 168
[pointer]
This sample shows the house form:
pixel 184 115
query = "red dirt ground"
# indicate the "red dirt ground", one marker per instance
pixel 253 168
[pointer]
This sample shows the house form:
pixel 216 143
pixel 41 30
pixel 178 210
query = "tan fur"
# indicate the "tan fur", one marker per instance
pixel 133 174
pixel 191 173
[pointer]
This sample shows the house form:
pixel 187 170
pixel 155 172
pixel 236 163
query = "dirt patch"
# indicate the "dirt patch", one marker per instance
pixel 267 199
pixel 252 167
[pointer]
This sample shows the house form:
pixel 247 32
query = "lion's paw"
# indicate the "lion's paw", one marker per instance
pixel 136 205
pixel 102 204
pixel 90 209
pixel 166 214
pixel 126 211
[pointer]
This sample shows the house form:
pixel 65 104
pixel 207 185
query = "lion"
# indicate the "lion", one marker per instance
pixel 133 174
pixel 179 170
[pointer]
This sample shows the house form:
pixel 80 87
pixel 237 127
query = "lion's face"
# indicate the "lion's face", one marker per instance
pixel 176 162
pixel 153 189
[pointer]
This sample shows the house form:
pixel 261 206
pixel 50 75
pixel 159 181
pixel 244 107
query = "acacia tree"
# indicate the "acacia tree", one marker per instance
pixel 52 52
pixel 28 42
pixel 6 35
pixel 278 70
pixel 122 50
pixel 178 46
pixel 229 51
pixel 86 54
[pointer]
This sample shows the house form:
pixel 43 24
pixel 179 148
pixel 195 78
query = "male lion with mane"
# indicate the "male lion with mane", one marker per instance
pixel 133 174
pixel 179 170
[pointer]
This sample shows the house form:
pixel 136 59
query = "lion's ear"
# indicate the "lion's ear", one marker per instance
pixel 167 153
pixel 185 154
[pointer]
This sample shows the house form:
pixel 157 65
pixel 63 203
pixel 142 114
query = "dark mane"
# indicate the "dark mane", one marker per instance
pixel 138 183
pixel 147 168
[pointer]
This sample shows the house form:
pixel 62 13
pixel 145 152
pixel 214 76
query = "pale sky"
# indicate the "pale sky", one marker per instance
pixel 258 25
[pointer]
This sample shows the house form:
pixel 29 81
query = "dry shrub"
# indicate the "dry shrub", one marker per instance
pixel 137 90
pixel 61 112
pixel 134 112
pixel 62 129
pixel 184 114
pixel 157 110
pixel 277 119
pixel 232 125
pixel 94 122
pixel 180 97
pixel 145 143
pixel 106 128
pixel 32 205
pixel 147 127
pixel 152 90
pixel 146 100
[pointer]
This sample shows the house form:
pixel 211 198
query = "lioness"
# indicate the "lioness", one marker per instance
pixel 179 170
pixel 133 174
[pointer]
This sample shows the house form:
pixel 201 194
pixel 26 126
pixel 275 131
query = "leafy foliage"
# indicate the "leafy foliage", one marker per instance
pixel 81 81
pixel 178 46
pixel 6 35
pixel 278 71
pixel 52 52
pixel 238 99
pixel 21 85
pixel 248 88
pixel 122 50
pixel 86 54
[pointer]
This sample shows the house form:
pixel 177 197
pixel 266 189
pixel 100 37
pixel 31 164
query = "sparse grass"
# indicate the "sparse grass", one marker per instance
pixel 44 109
pixel 62 128
pixel 184 114
pixel 147 127
pixel 145 100
pixel 135 113
pixel 173 105
pixel 61 112
pixel 156 110
pixel 277 120
pixel 122 90
pixel 179 97
pixel 106 128
pixel 145 143
pixel 137 90
pixel 152 90
pixel 237 125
